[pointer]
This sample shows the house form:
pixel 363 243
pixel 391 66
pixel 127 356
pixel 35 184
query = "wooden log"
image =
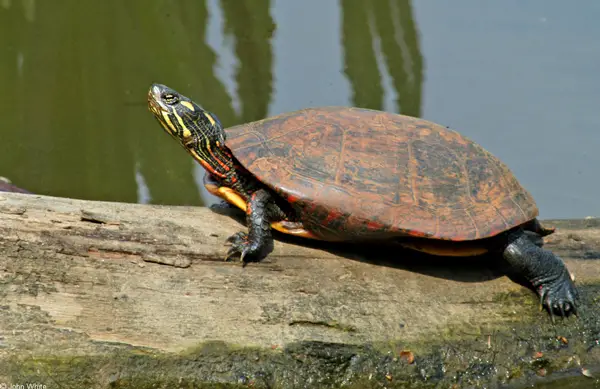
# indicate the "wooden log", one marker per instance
pixel 129 295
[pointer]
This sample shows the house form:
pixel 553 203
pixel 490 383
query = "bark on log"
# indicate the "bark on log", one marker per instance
pixel 98 294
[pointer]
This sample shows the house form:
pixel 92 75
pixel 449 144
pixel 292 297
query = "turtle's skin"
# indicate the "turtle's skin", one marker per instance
pixel 352 174
pixel 7 186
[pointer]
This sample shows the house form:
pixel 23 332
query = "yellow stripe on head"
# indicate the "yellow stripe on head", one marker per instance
pixel 188 105
pixel 179 119
pixel 171 127
pixel 186 132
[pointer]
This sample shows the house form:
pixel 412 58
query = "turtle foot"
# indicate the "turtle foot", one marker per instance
pixel 546 272
pixel 242 246
pixel 559 297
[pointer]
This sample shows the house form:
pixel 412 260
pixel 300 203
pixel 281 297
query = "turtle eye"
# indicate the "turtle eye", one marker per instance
pixel 170 98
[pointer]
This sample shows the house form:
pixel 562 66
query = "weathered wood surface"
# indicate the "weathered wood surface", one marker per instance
pixel 76 274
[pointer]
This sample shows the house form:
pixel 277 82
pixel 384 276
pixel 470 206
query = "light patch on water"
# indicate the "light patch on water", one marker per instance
pixel 143 192
pixel 408 63
pixel 520 78
pixel 20 60
pixel 29 9
pixel 224 45
pixel 307 56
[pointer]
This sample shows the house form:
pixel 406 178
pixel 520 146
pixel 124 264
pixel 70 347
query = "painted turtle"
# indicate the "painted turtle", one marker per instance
pixel 7 186
pixel 352 174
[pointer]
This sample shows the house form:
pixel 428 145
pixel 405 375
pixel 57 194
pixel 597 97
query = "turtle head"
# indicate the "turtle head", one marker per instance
pixel 198 131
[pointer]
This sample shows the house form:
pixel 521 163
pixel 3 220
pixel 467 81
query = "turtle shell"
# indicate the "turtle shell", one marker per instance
pixel 359 173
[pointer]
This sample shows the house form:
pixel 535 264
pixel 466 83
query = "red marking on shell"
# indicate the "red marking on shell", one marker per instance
pixel 332 216
pixel 418 234
pixel 373 226
pixel 292 199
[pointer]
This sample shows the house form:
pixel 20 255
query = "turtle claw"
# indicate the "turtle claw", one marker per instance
pixel 236 239
pixel 230 253
pixel 562 310
pixel 241 245
pixel 559 298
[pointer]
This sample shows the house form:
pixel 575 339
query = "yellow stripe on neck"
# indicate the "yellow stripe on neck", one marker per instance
pixel 188 105
pixel 209 117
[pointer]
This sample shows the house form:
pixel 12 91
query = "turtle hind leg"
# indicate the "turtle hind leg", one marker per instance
pixel 546 272
pixel 258 242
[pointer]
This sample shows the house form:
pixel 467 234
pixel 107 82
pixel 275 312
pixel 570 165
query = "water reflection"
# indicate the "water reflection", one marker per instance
pixel 251 26
pixel 382 39
pixel 73 117
pixel 27 6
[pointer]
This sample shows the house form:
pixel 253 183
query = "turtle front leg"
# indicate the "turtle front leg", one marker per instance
pixel 545 270
pixel 258 242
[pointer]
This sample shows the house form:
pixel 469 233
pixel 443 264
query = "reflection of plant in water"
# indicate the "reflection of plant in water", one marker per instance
pixel 82 65
pixel 28 8
pixel 379 38
pixel 77 80
pixel 252 28
pixel 187 63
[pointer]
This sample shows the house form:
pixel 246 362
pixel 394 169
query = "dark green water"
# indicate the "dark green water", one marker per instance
pixel 521 78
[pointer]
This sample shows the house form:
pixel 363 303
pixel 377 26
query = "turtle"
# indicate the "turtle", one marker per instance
pixel 343 174
pixel 7 186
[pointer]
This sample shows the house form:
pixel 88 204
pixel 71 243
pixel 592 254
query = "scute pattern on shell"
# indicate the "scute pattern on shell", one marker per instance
pixel 361 173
